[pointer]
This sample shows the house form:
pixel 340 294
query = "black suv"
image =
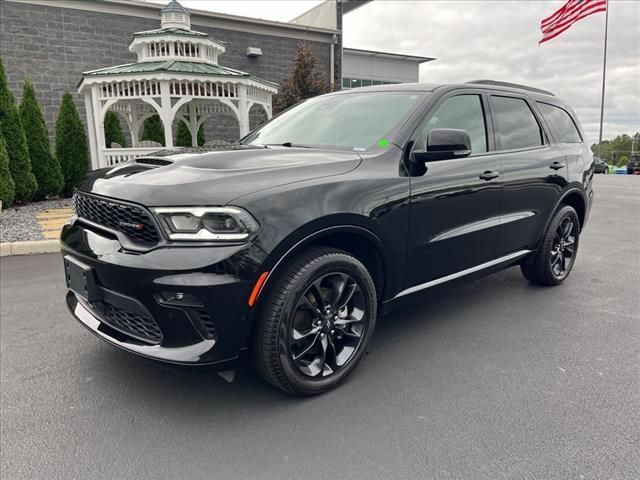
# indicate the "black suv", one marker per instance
pixel 289 243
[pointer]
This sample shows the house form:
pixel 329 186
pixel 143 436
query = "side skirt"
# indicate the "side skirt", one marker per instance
pixel 463 273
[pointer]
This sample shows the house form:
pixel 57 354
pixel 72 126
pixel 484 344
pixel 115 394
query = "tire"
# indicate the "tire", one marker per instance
pixel 554 260
pixel 293 333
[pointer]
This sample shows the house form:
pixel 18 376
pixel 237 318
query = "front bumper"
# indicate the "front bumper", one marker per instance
pixel 185 305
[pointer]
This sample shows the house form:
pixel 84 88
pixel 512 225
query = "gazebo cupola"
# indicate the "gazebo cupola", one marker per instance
pixel 175 15
pixel 178 77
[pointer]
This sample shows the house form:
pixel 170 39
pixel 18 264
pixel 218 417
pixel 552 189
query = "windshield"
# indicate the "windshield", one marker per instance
pixel 355 121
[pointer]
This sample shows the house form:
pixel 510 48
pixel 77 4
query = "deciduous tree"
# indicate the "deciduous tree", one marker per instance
pixel 304 81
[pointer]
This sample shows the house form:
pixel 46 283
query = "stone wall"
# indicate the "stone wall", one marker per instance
pixel 54 45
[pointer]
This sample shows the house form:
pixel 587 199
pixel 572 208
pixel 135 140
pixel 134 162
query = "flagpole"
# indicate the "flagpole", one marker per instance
pixel 604 74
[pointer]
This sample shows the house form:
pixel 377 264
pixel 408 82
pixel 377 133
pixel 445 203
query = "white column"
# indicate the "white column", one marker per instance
pixel 132 120
pixel 98 120
pixel 92 131
pixel 193 125
pixel 243 110
pixel 166 114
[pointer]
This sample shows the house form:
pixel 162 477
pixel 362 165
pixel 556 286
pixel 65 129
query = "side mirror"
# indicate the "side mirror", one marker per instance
pixel 444 144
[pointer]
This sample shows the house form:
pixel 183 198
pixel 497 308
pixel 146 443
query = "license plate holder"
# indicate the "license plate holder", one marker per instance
pixel 80 279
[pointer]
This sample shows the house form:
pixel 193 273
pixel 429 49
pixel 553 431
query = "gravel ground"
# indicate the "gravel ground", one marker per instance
pixel 18 223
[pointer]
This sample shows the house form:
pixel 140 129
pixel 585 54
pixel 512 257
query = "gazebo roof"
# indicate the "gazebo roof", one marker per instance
pixel 175 66
pixel 173 31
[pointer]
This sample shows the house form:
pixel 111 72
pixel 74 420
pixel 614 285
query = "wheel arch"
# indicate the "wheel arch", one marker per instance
pixel 360 241
pixel 573 197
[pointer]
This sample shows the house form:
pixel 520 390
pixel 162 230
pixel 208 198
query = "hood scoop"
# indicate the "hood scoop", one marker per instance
pixel 156 162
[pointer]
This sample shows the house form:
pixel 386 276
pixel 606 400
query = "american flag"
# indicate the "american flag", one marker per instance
pixel 567 15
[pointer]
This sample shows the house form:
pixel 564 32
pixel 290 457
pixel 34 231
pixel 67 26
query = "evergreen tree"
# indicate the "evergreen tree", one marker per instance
pixel 44 165
pixel 71 145
pixel 183 135
pixel 7 187
pixel 113 130
pixel 16 143
pixel 152 129
pixel 304 81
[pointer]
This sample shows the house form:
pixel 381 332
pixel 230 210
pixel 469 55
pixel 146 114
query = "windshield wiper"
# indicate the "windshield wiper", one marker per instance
pixel 289 144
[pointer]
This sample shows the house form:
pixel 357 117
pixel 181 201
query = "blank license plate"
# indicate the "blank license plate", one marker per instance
pixel 80 279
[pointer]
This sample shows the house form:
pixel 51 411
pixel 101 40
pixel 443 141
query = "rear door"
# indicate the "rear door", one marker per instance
pixel 455 204
pixel 534 171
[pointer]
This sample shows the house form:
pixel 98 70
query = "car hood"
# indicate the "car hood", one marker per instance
pixel 215 177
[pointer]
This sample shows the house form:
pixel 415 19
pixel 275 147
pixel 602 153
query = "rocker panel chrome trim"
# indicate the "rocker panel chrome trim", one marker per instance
pixel 468 271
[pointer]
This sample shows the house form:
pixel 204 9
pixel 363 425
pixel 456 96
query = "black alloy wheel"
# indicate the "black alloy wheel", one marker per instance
pixel 563 250
pixel 316 322
pixel 555 258
pixel 328 325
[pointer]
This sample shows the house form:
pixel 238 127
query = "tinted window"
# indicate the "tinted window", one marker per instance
pixel 351 120
pixel 516 126
pixel 561 123
pixel 463 112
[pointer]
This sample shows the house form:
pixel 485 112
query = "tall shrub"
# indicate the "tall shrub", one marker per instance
pixel 71 145
pixel 304 81
pixel 44 165
pixel 113 130
pixel 183 135
pixel 152 129
pixel 16 143
pixel 7 187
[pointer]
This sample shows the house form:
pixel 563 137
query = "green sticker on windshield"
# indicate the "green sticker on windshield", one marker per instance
pixel 383 142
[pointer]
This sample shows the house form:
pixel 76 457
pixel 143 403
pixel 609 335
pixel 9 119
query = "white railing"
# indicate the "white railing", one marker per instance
pixel 113 156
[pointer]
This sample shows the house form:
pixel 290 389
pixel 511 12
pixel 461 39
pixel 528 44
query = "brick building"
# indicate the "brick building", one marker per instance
pixel 54 41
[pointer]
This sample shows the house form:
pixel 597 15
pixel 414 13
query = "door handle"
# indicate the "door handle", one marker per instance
pixel 489 175
pixel 557 165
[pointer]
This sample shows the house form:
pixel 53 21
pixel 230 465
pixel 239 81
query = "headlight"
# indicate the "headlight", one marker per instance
pixel 206 223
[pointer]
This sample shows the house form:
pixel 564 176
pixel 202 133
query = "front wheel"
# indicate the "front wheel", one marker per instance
pixel 316 322
pixel 553 262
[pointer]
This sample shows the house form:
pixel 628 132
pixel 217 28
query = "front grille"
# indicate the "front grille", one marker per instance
pixel 133 221
pixel 141 327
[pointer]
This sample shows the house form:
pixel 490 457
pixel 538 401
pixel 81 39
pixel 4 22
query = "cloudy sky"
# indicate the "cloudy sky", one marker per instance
pixel 497 40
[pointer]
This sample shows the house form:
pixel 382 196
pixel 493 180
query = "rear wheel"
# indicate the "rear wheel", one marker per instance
pixel 553 262
pixel 316 322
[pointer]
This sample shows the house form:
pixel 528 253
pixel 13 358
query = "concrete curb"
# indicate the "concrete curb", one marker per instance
pixel 29 248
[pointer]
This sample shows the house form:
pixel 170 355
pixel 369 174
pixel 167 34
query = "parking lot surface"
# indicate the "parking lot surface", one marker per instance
pixel 493 378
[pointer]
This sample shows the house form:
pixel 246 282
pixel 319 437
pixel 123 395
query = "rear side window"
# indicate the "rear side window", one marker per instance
pixel 463 112
pixel 561 123
pixel 516 126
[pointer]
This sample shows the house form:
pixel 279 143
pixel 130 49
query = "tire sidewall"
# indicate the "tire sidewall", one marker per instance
pixel 343 263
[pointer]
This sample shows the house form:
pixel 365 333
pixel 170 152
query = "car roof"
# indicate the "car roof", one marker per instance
pixel 535 93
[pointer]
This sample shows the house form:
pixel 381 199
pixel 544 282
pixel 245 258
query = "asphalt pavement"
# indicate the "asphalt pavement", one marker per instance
pixel 488 379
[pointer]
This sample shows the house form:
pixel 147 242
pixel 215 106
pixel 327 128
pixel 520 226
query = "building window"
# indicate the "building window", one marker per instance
pixel 348 82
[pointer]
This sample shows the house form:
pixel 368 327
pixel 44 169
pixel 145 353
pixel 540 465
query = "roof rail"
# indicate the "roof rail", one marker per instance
pixel 511 85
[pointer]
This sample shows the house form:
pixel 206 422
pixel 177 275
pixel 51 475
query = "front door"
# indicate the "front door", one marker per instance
pixel 455 204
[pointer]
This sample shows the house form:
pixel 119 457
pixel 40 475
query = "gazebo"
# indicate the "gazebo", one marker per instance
pixel 177 76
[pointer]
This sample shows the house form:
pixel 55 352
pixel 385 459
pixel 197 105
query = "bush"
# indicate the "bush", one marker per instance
pixel 623 161
pixel 152 129
pixel 71 145
pixel 44 165
pixel 304 82
pixel 183 135
pixel 113 130
pixel 16 143
pixel 7 187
